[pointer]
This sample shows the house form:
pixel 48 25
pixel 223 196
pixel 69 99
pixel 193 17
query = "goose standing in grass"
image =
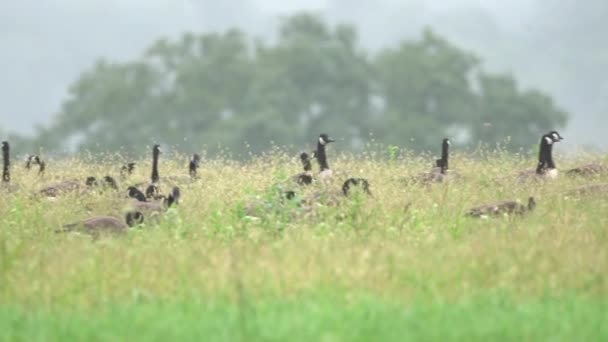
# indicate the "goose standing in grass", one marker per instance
pixel 441 172
pixel 304 178
pixel 321 156
pixel 6 172
pixel 6 162
pixel 98 225
pixel 153 190
pixel 545 168
pixel 502 208
pixel 194 165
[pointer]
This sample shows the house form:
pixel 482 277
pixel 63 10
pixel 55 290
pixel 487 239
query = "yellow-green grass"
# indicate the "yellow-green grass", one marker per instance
pixel 406 263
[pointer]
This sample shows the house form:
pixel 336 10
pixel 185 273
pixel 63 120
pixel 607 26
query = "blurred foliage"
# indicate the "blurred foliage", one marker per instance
pixel 226 88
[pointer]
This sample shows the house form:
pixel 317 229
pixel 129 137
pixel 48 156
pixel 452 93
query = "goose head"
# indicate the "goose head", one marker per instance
pixel 555 136
pixel 324 139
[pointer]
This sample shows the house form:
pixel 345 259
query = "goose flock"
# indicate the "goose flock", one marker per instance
pixel 146 202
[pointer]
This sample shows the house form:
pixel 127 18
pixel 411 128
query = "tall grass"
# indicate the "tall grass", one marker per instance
pixel 405 263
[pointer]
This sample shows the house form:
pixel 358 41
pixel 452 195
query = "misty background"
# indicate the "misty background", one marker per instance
pixel 554 47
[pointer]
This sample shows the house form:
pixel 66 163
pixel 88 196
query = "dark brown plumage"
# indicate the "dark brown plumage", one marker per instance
pixel 104 224
pixel 502 208
pixel 589 170
pixel 304 178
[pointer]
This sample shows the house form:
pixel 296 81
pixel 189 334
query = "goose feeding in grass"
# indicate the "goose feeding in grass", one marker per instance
pixel 98 225
pixel 154 207
pixel 502 208
pixel 127 170
pixel 35 160
pixel 304 178
pixel 193 166
pixel 335 197
pixel 67 186
pixel 321 156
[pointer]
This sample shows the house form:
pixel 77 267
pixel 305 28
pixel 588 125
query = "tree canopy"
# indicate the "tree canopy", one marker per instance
pixel 206 89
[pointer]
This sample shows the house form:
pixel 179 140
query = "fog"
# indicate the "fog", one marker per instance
pixel 47 44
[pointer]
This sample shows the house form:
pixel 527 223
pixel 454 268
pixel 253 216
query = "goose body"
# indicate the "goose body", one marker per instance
pixel 502 208
pixel 545 168
pixel 589 170
pixel 155 206
pixel 104 224
pixel 325 172
pixel 304 178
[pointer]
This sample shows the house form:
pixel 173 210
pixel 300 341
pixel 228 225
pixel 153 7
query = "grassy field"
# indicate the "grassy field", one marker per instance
pixel 403 265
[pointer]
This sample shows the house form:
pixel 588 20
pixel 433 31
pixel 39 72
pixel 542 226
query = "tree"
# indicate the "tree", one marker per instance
pixel 201 90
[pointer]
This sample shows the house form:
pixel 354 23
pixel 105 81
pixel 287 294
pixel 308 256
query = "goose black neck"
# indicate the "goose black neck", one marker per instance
pixel 193 168
pixel 321 157
pixel 444 156
pixel 155 176
pixel 6 176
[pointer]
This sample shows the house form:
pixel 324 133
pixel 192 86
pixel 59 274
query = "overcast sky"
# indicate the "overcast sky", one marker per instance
pixel 46 44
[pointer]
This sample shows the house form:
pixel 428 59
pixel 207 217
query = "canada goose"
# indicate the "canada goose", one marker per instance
pixel 6 172
pixel 6 162
pixel 127 170
pixel 100 224
pixel 441 171
pixel 194 164
pixel 362 182
pixel 155 154
pixel 589 170
pixel 443 162
pixel 156 206
pixel 321 156
pixel 135 193
pixel 502 208
pixel 304 178
pixel 110 182
pixel 35 159
pixel 546 166
pixel 66 186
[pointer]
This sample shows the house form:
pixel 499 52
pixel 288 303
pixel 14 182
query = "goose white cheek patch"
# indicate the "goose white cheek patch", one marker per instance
pixel 548 140
pixel 321 141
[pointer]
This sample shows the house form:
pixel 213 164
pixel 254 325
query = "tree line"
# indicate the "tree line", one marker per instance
pixel 243 93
